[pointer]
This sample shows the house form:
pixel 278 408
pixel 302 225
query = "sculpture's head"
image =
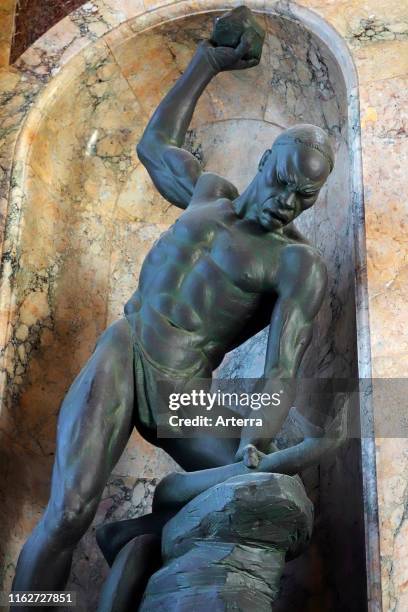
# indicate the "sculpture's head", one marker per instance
pixel 291 174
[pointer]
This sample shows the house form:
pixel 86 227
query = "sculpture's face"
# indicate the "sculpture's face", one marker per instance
pixel 288 182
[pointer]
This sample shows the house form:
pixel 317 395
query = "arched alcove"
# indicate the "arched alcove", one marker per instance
pixel 83 214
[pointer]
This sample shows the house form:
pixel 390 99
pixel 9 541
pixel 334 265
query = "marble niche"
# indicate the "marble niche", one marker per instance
pixel 83 214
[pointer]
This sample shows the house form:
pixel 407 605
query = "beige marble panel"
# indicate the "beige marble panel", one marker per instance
pixel 168 53
pixel 136 58
pixel 59 45
pixel 95 123
pixel 385 120
pixel 17 93
pixel 78 162
pixel 392 456
pixel 222 150
pixel 7 10
pixel 363 22
pixel 67 38
pixel 200 5
pixel 382 60
pixel 115 12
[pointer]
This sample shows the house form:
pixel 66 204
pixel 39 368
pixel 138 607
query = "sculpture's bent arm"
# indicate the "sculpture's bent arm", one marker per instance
pixel 178 488
pixel 302 280
pixel 173 170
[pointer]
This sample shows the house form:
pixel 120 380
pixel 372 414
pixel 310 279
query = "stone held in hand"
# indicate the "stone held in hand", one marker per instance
pixel 229 27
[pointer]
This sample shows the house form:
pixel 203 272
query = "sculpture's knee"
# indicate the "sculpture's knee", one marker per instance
pixel 67 519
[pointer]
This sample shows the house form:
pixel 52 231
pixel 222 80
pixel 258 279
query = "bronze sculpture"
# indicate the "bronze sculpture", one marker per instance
pixel 234 254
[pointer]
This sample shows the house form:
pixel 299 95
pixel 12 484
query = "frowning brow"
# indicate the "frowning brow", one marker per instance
pixel 285 171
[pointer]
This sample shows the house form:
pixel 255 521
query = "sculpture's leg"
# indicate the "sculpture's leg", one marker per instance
pixel 112 537
pixel 127 580
pixel 201 453
pixel 94 425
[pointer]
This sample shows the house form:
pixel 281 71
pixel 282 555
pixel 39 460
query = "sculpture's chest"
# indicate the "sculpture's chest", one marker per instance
pixel 216 233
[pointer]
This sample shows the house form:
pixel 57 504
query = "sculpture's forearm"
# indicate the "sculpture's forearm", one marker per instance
pixel 289 336
pixel 296 458
pixel 172 117
pixel 179 488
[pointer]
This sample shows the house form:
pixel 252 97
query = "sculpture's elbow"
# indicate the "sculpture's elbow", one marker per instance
pixel 142 150
pixel 150 151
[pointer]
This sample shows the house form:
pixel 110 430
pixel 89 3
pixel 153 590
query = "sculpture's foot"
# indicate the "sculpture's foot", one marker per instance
pixel 226 549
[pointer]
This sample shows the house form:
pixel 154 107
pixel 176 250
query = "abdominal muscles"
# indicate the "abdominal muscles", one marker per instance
pixel 199 303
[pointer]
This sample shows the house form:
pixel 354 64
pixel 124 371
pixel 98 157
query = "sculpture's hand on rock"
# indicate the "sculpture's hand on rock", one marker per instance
pixel 250 456
pixel 230 58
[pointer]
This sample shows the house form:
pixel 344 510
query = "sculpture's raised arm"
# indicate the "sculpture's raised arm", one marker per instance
pixel 173 170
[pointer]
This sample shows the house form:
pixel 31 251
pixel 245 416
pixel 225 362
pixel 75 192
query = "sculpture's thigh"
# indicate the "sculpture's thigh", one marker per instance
pixel 206 451
pixel 201 453
pixel 93 428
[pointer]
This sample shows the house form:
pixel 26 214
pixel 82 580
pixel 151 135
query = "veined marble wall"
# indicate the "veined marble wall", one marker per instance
pixel 83 217
pixel 33 18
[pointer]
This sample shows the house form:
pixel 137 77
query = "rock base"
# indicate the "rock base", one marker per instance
pixel 226 549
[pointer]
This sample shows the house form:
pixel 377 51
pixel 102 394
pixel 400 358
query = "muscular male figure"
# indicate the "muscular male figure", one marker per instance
pixel 231 264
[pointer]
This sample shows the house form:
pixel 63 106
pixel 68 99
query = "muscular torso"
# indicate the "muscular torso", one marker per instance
pixel 206 285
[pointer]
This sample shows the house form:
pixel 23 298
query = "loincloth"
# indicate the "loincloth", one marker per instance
pixel 155 382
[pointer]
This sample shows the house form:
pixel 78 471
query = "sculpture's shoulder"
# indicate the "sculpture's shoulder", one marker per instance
pixel 302 264
pixel 294 236
pixel 296 246
pixel 211 187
